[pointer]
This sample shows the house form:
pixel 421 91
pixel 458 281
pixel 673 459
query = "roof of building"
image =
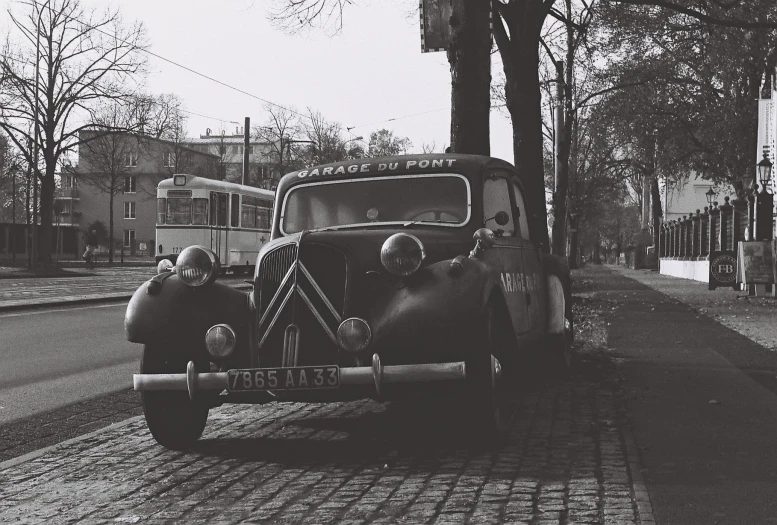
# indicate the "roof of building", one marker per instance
pixel 179 145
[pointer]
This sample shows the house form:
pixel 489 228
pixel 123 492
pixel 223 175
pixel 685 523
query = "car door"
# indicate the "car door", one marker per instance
pixel 536 296
pixel 506 252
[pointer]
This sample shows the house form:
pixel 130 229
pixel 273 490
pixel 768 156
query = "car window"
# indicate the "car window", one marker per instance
pixel 496 198
pixel 520 203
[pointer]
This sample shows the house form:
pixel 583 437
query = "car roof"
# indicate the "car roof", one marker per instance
pixel 470 166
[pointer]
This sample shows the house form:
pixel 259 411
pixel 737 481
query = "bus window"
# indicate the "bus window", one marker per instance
pixel 264 215
pixel 235 211
pixel 200 211
pixel 218 209
pixel 248 212
pixel 161 204
pixel 179 211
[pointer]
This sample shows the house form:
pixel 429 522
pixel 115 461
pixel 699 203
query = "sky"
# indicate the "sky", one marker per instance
pixel 372 75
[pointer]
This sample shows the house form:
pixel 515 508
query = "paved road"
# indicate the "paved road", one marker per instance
pixel 57 356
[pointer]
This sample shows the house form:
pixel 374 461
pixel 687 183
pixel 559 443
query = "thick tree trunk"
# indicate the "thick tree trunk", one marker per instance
pixel 110 228
pixel 524 104
pixel 655 199
pixel 469 56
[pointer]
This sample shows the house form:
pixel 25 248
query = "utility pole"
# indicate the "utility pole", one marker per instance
pixel 246 145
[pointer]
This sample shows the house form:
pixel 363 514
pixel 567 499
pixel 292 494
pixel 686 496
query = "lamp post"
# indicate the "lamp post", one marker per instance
pixel 764 227
pixel 710 196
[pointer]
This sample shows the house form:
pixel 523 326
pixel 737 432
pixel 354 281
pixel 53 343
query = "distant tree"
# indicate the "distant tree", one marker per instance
pixel 326 140
pixel 80 60
pixel 383 143
pixel 282 131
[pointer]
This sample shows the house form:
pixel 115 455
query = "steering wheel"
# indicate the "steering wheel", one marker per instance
pixel 436 216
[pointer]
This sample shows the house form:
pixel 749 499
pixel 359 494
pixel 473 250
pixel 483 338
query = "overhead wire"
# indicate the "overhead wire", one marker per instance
pixel 229 86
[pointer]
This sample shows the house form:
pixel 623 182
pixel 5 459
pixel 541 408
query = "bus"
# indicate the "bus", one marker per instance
pixel 231 219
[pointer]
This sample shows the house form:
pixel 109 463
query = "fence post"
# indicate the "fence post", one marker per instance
pixel 704 243
pixel 695 224
pixel 740 221
pixel 675 239
pixel 714 225
pixel 725 225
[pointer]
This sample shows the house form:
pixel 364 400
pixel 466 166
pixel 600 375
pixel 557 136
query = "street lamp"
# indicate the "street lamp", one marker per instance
pixel 710 196
pixel 765 171
pixel 764 203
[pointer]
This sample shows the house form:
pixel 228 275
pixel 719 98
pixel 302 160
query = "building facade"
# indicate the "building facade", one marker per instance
pixel 229 149
pixel 128 167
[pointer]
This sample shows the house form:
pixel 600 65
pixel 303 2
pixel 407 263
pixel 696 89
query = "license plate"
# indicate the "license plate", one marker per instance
pixel 289 378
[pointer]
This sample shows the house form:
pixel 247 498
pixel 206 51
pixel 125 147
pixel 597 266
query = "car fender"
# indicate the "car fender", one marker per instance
pixel 165 310
pixel 559 286
pixel 434 315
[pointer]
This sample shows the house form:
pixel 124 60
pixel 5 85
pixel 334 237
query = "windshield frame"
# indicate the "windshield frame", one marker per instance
pixel 462 224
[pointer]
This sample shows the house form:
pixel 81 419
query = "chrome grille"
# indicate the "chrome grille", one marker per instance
pixel 306 287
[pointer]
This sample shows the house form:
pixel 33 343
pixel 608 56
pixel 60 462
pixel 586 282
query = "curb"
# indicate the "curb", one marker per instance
pixel 10 463
pixel 65 302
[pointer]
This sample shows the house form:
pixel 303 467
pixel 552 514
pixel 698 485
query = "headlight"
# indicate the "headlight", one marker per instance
pixel 353 335
pixel 220 341
pixel 165 265
pixel 402 254
pixel 196 266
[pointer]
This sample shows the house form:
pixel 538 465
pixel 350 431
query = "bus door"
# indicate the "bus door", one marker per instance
pixel 219 214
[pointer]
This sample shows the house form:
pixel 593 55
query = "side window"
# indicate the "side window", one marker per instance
pixel 235 211
pixel 523 220
pixel 496 198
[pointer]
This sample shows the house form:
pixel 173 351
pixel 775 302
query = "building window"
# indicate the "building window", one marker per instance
pixel 250 150
pixel 169 159
pixel 131 159
pixel 129 210
pixel 129 238
pixel 237 150
pixel 130 184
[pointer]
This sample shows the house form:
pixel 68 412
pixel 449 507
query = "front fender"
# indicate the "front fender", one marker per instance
pixel 432 316
pixel 176 313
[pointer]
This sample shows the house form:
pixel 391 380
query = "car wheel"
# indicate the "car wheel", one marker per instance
pixel 489 405
pixel 172 418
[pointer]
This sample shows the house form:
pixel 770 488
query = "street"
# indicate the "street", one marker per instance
pixel 58 356
pixel 670 420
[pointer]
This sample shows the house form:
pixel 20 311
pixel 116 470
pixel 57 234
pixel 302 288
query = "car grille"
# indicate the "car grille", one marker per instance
pixel 310 297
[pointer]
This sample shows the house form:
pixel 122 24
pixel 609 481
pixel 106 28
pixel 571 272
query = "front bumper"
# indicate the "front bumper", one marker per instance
pixel 377 374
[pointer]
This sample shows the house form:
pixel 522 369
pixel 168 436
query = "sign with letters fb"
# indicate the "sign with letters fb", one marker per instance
pixel 723 269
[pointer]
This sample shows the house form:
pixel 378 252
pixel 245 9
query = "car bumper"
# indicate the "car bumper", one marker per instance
pixel 377 375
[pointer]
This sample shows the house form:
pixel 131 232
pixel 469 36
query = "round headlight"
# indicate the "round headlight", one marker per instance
pixel 220 341
pixel 196 266
pixel 165 265
pixel 353 335
pixel 402 254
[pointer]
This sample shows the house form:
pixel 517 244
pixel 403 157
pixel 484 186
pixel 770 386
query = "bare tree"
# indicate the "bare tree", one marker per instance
pixel 326 140
pixel 106 156
pixel 67 63
pixel 281 131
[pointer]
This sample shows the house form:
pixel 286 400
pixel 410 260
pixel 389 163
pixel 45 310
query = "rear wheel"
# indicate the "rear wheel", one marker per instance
pixel 559 346
pixel 172 418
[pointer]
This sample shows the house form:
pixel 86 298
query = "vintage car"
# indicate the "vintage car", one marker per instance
pixel 385 278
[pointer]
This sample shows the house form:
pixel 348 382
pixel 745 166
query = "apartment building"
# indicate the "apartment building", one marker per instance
pixel 129 167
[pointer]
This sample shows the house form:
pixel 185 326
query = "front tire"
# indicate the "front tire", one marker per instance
pixel 172 418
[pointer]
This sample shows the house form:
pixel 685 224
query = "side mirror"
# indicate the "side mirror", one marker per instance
pixel 502 218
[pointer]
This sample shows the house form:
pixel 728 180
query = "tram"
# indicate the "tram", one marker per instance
pixel 232 220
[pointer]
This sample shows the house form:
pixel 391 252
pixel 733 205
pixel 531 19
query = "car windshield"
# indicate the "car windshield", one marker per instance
pixel 442 200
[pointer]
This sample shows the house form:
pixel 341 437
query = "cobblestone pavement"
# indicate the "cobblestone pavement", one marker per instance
pixel 568 460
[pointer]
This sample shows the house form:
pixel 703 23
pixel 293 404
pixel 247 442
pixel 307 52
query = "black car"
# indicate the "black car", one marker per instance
pixel 384 278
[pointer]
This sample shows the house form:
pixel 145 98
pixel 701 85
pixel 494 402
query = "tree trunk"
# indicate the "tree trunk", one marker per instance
pixel 573 241
pixel 110 228
pixel 469 56
pixel 655 198
pixel 524 104
pixel 46 202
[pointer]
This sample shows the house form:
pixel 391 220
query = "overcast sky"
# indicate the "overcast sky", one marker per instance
pixel 372 72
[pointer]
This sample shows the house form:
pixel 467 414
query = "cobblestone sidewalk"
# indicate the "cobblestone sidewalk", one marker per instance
pixel 568 461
